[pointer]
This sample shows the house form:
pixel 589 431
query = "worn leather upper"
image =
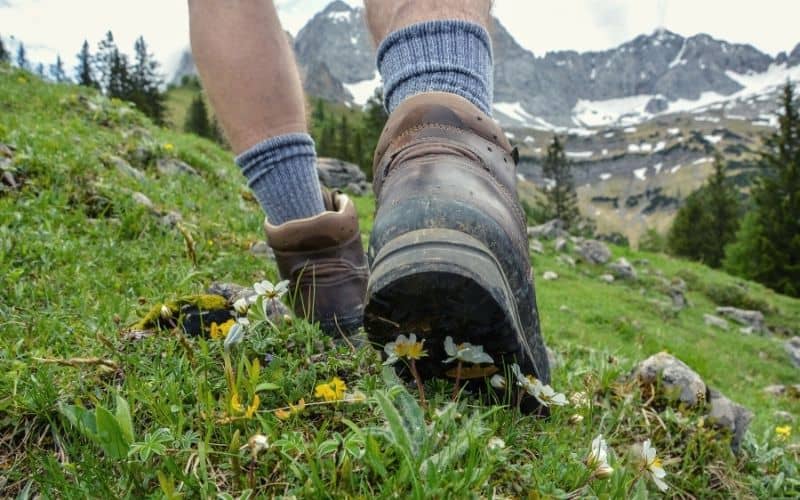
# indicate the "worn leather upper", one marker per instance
pixel 324 260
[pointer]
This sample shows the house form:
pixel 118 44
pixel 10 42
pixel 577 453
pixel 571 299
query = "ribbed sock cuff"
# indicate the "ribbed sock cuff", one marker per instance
pixel 282 172
pixel 437 56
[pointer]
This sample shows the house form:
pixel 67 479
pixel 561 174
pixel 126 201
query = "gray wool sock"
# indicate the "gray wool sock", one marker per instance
pixel 443 56
pixel 282 172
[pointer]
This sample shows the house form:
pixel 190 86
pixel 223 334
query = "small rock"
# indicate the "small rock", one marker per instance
pixel 753 319
pixel 171 218
pixel 356 189
pixel 622 269
pixel 563 308
pixel 172 166
pixel 792 347
pixel 262 249
pixel 549 276
pixel 337 174
pixel 143 200
pixel 560 244
pixel 678 298
pixel 594 251
pixel 642 262
pixel 126 168
pixel 783 416
pixel 536 246
pixel 775 390
pixel 548 230
pixel 6 151
pixel 716 321
pixel 678 284
pixel 607 278
pixel 8 179
pixel 566 260
pixel 277 310
pixel 729 415
pixel 231 291
pixel 677 379
pixel 746 330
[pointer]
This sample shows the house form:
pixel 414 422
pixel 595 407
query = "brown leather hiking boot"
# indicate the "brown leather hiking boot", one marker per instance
pixel 324 261
pixel 449 251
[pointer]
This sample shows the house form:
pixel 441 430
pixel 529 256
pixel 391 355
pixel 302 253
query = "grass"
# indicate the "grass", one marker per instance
pixel 156 417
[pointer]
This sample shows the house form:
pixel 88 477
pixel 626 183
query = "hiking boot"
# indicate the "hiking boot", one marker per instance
pixel 324 261
pixel 449 250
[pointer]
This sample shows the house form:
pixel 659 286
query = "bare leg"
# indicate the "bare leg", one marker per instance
pixel 387 16
pixel 247 68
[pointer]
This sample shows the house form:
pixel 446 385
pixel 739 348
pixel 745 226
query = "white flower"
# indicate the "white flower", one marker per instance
pixel 267 289
pixel 257 444
pixel 495 443
pixel 235 336
pixel 530 384
pixel 547 396
pixel 465 352
pixel 404 347
pixel 241 306
pixel 498 381
pixel 652 465
pixel 598 453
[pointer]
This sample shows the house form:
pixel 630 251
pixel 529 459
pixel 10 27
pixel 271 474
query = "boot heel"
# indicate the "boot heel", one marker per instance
pixel 442 282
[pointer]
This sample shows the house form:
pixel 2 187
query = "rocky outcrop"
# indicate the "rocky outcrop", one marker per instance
pixel 676 381
pixel 792 347
pixel 548 231
pixel 594 251
pixel 715 321
pixel 338 174
pixel 753 320
pixel 622 269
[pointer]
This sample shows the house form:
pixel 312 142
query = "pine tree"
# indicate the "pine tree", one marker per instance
pixel 562 200
pixel 375 117
pixel 84 69
pixel 145 83
pixel 57 72
pixel 22 59
pixel 112 65
pixel 767 248
pixel 217 134
pixel 4 55
pixel 197 118
pixel 343 140
pixel 40 70
pixel 708 220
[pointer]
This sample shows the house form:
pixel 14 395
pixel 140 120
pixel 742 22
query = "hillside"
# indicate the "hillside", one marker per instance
pixel 109 217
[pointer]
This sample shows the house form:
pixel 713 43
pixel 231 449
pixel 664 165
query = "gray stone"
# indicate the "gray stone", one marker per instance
pixel 338 174
pixel 566 260
pixel 622 269
pixel 775 390
pixel 262 249
pixel 536 246
pixel 753 319
pixel 143 200
pixel 607 278
pixel 560 244
pixel 792 347
pixel 172 166
pixel 594 251
pixel 8 178
pixel 783 416
pixel 678 298
pixel 677 379
pixel 548 230
pixel 126 168
pixel 171 218
pixel 728 415
pixel 679 284
pixel 231 291
pixel 549 276
pixel 716 321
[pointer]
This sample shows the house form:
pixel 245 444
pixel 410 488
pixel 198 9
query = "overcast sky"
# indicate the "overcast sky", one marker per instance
pixel 48 27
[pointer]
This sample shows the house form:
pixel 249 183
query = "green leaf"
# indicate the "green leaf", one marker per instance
pixel 82 419
pixel 267 386
pixel 110 435
pixel 123 415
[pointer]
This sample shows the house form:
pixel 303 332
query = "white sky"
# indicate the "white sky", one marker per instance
pixel 48 27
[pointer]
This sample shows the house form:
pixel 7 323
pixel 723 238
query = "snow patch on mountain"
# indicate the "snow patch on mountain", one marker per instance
pixel 363 90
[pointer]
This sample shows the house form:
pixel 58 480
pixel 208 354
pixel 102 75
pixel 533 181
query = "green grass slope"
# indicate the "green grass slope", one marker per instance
pixel 88 411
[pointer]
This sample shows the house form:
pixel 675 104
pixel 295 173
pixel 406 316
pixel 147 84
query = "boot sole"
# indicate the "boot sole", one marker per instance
pixel 442 282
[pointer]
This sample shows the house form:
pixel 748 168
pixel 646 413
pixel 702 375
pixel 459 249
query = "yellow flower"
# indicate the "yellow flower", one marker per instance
pixel 235 404
pixel 331 391
pixel 168 146
pixel 783 431
pixel 284 414
pixel 251 410
pixel 219 332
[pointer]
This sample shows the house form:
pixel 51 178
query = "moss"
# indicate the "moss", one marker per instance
pixel 202 302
